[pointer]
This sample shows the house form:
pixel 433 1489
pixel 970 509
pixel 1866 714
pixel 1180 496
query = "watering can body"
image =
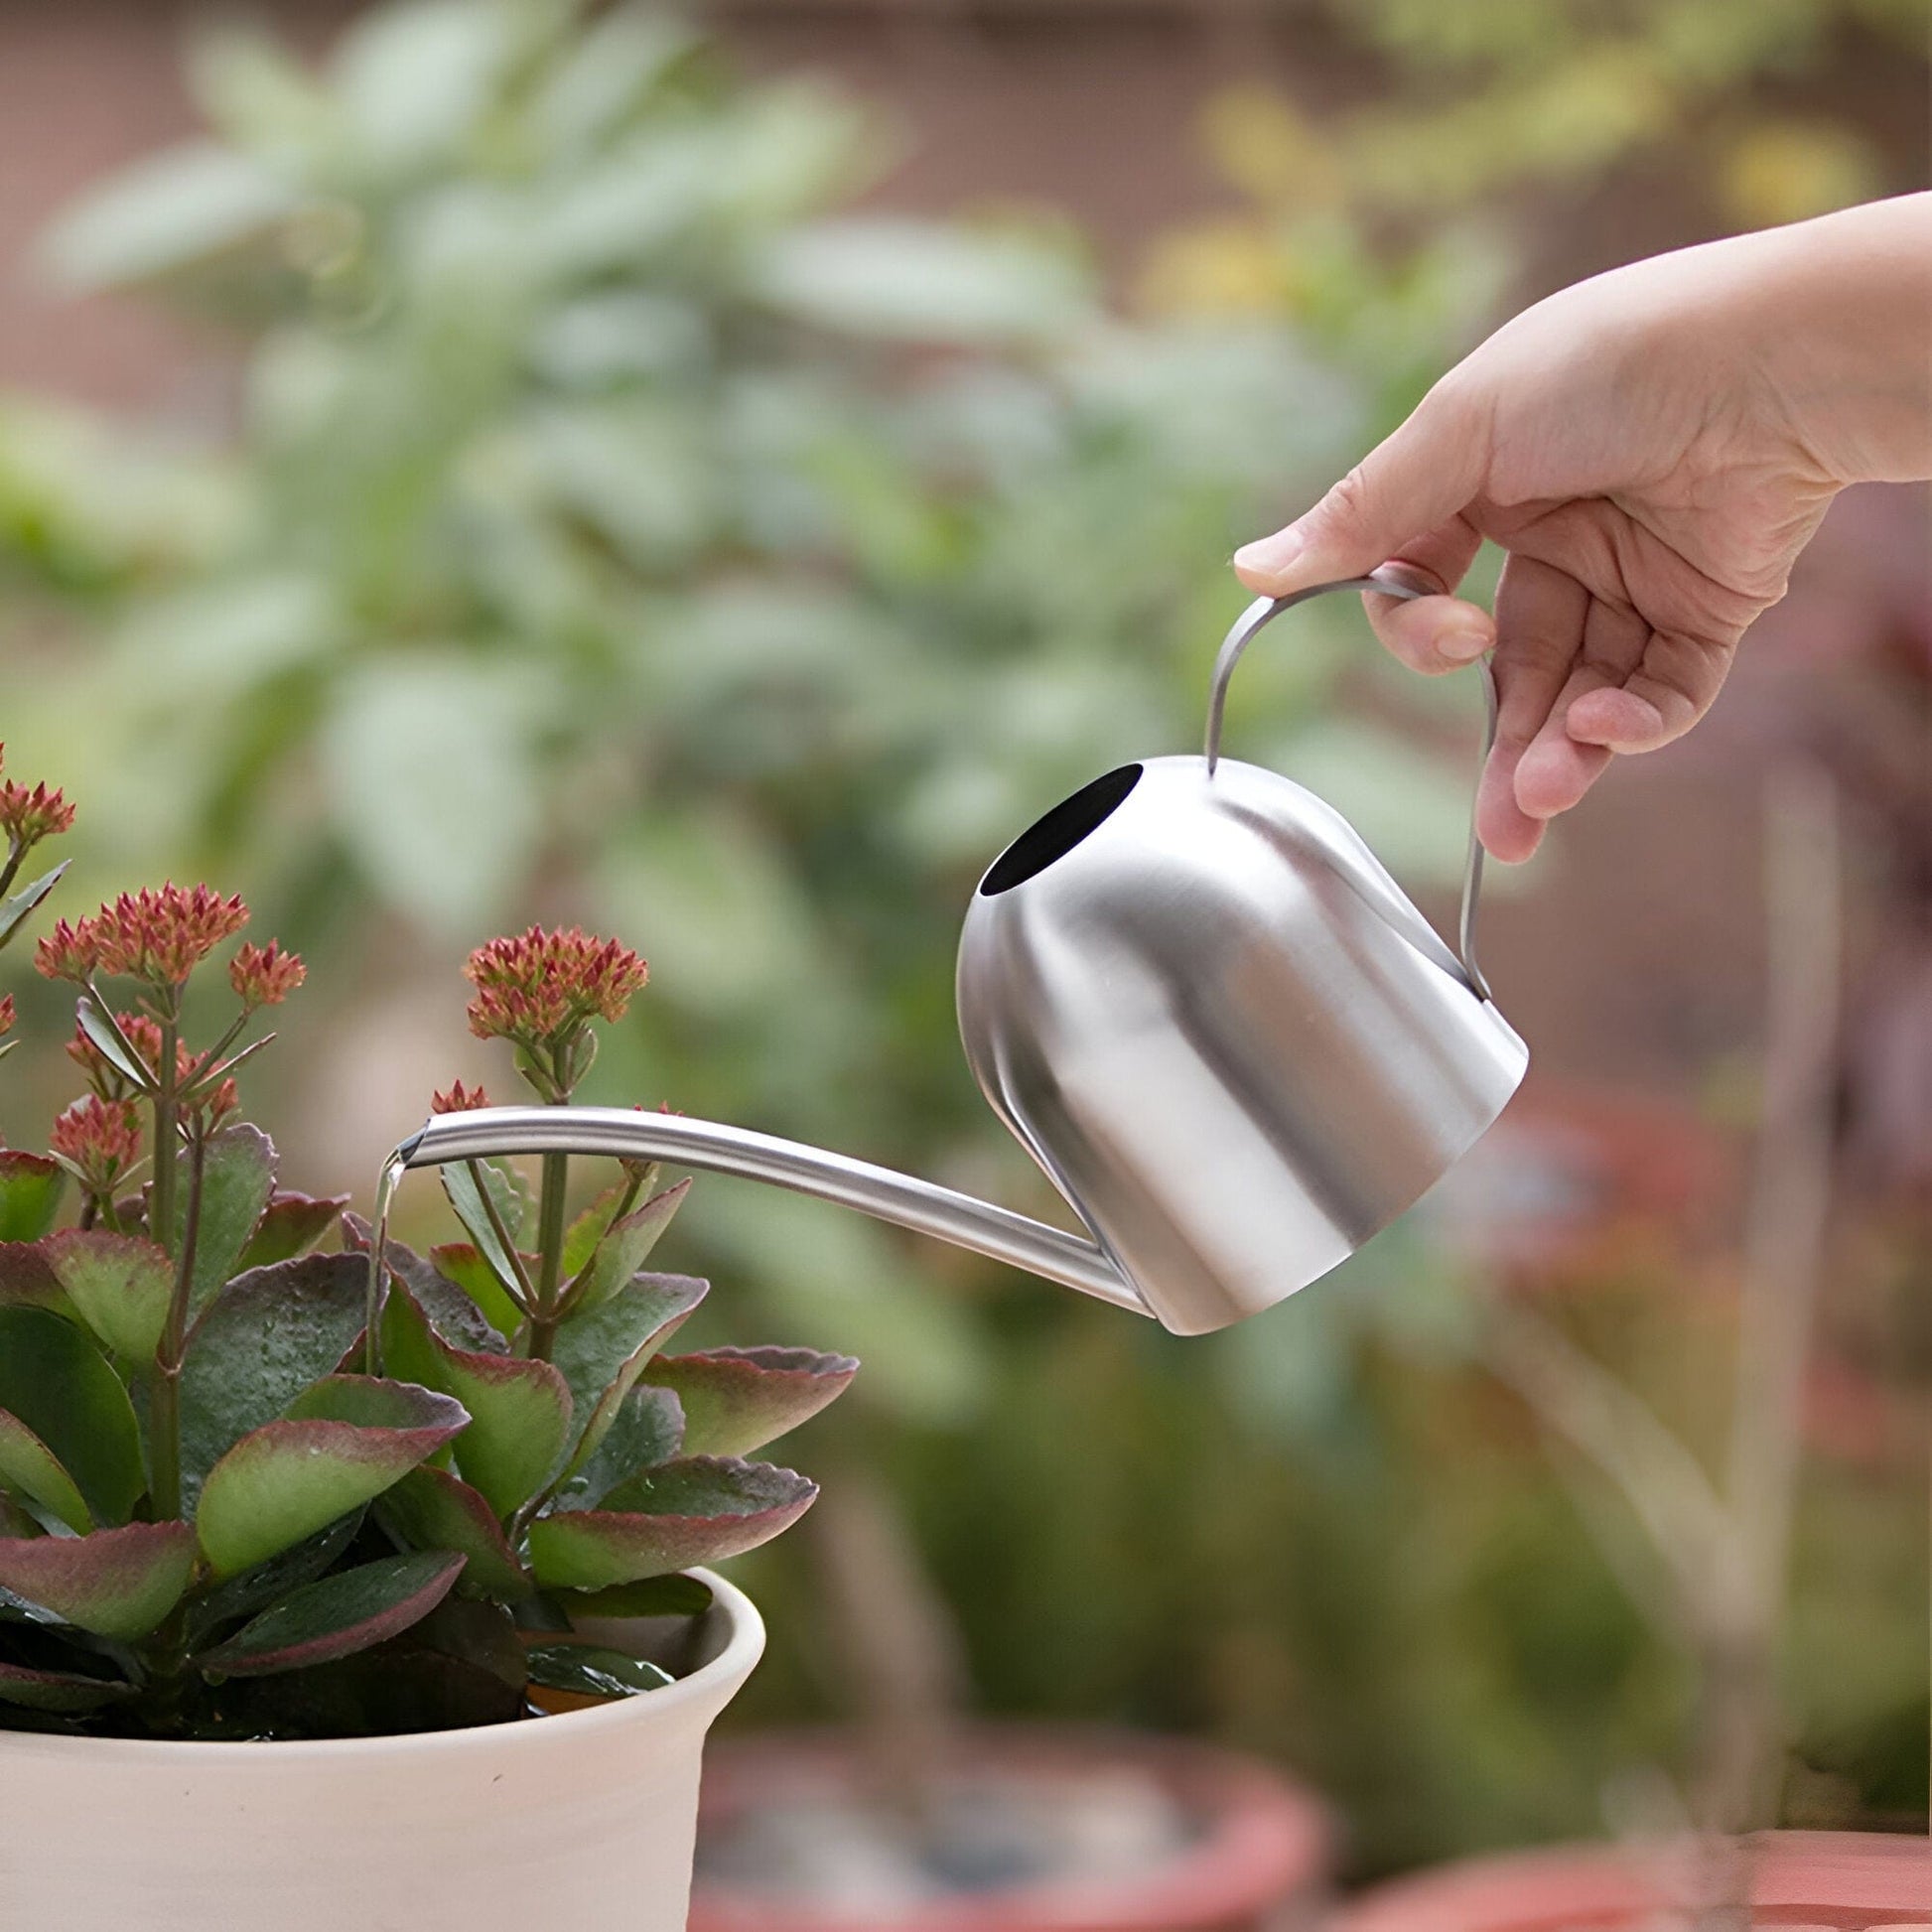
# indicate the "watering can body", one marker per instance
pixel 1207 1011
pixel 1223 1031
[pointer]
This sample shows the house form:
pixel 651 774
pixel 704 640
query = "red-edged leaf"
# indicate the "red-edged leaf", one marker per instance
pixel 649 1430
pixel 461 1263
pixel 238 1178
pixel 603 1351
pixel 27 1278
pixel 736 1400
pixel 116 1583
pixel 263 1340
pixel 430 1509
pixel 625 1246
pixel 30 1195
pixel 291 1224
pixel 56 1690
pixel 58 1384
pixel 519 1410
pixel 120 1284
pixel 698 1510
pixel 336 1615
pixel 344 1443
pixel 456 1317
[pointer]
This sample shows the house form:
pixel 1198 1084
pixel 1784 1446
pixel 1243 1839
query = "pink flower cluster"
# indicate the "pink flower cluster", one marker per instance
pixel 265 976
pixel 29 815
pixel 458 1100
pixel 542 985
pixel 156 936
pixel 99 1139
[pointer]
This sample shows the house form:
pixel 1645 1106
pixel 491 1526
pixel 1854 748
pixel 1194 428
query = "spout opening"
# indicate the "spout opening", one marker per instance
pixel 1055 833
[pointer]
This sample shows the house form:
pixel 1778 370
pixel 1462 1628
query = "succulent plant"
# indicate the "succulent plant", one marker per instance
pixel 253 1489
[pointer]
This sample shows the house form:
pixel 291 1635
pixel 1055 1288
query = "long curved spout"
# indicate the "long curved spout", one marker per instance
pixel 717 1149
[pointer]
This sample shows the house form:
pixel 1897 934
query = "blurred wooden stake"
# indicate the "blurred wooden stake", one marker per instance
pixel 900 1655
pixel 1783 1274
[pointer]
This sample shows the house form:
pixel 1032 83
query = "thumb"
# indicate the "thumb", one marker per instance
pixel 1402 490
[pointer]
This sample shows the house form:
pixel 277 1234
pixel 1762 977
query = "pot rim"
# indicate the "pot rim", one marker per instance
pixel 742 1646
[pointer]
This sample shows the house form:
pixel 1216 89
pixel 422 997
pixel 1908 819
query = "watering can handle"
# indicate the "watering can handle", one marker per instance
pixel 1388 581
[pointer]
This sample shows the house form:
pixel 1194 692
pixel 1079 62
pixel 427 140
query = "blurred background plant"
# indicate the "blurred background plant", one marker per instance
pixel 612 494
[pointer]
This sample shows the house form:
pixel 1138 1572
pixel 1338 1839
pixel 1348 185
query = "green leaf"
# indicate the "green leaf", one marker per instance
pixel 698 1510
pixel 593 1670
pixel 736 1400
pixel 291 1225
pixel 587 1230
pixel 120 1284
pixel 519 1410
pixel 453 1314
pixel 31 1469
pixel 336 1615
pixel 430 1509
pixel 922 281
pixel 103 1029
pixel 265 1338
pixel 56 1384
pixel 116 1584
pixel 13 911
pixel 177 211
pixel 466 1192
pixel 429 757
pixel 286 1480
pixel 603 1351
pixel 669 1596
pixel 626 1247
pixel 463 1265
pixel 53 1690
pixel 649 1430
pixel 238 1178
pixel 30 1195
pixel 268 1583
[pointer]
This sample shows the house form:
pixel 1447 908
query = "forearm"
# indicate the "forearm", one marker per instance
pixel 1836 313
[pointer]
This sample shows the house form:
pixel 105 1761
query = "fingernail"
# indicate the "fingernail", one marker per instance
pixel 1272 553
pixel 1461 646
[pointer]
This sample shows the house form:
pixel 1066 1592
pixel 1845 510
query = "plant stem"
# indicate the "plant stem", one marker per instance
pixel 160 1201
pixel 163 1410
pixel 550 1253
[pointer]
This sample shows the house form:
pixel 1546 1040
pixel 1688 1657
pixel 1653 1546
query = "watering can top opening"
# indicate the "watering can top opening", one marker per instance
pixel 1199 1002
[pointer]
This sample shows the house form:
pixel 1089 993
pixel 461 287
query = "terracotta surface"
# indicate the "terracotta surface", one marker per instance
pixel 1839 1882
pixel 1259 1864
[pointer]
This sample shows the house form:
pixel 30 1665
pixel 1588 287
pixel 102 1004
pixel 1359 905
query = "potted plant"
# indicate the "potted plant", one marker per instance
pixel 348 1585
pixel 1861 1882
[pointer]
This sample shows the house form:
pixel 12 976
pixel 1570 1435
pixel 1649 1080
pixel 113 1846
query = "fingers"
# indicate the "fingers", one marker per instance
pixel 1431 634
pixel 1675 681
pixel 1411 485
pixel 1557 768
pixel 1540 618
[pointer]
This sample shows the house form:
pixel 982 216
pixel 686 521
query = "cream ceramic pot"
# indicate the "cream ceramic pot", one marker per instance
pixel 585 1820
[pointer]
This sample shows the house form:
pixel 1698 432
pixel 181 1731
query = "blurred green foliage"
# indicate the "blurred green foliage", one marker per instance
pixel 615 531
pixel 614 526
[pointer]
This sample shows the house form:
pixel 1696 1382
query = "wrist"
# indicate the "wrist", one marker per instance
pixel 1834 318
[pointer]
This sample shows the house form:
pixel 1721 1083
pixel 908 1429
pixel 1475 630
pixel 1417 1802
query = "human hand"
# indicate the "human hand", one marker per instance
pixel 1653 449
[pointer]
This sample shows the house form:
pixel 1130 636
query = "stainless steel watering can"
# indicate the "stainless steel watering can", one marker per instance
pixel 1201 1005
